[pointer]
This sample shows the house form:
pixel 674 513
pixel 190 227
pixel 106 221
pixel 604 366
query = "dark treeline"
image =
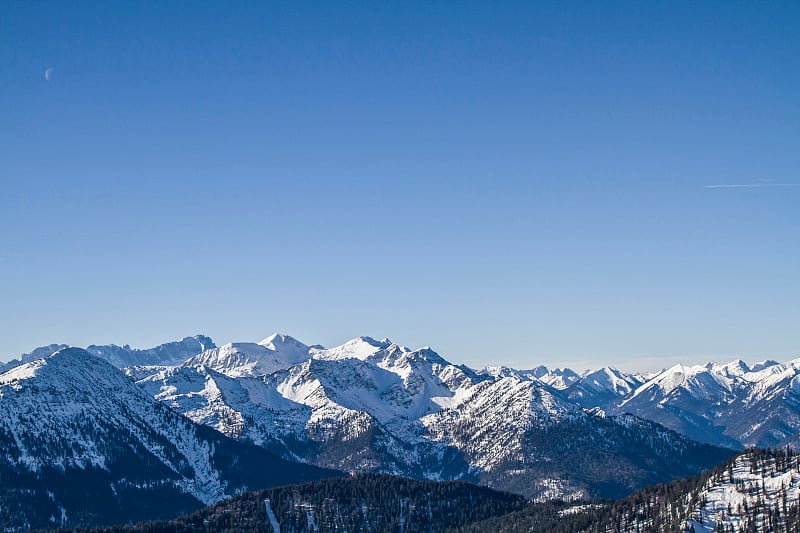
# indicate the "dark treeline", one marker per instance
pixel 360 503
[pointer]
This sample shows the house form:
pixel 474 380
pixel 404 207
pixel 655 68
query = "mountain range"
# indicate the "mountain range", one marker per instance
pixel 732 404
pixel 375 406
pixel 188 423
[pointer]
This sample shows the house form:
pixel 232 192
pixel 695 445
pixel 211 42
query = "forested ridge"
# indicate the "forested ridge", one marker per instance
pixel 368 502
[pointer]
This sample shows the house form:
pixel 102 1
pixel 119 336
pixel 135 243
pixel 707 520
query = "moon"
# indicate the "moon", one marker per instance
pixel 48 73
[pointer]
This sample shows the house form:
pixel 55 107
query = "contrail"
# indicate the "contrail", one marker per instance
pixel 751 185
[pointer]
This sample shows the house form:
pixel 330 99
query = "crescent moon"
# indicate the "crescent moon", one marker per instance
pixel 48 73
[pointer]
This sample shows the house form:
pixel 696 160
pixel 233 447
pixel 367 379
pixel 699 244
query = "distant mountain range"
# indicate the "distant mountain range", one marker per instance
pixel 171 353
pixel 731 404
pixel 187 423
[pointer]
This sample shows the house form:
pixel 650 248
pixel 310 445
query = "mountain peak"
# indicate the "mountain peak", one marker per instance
pixel 278 338
pixel 735 368
pixel 284 344
pixel 69 369
pixel 205 342
pixel 758 367
pixel 237 359
pixel 243 359
pixel 358 348
pixel 383 343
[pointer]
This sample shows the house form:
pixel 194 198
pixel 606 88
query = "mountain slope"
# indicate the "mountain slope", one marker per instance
pixel 71 419
pixel 756 491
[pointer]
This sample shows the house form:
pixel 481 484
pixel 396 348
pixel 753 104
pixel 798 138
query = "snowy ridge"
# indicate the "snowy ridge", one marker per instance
pixel 732 404
pixel 501 411
pixel 729 404
pixel 557 378
pixel 288 348
pixel 754 493
pixel 358 348
pixel 603 388
pixel 248 359
pixel 171 353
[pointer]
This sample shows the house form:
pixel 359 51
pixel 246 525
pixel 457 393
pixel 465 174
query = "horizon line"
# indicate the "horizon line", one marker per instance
pixel 750 185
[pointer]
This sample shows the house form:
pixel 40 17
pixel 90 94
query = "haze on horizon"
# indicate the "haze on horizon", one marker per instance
pixel 526 183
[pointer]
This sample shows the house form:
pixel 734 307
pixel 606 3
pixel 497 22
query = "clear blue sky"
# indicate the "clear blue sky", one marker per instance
pixel 507 182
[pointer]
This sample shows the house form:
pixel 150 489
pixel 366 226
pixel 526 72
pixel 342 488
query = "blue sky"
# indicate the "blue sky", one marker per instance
pixel 509 182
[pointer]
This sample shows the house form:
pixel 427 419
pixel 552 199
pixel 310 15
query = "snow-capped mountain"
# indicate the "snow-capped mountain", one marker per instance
pixel 360 392
pixel 602 388
pixel 171 353
pixel 558 378
pixel 732 405
pixel 71 419
pixel 243 359
pixel 726 404
pixel 371 405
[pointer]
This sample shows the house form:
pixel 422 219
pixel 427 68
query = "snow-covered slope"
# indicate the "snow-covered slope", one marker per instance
pixel 558 378
pixel 758 491
pixel 75 418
